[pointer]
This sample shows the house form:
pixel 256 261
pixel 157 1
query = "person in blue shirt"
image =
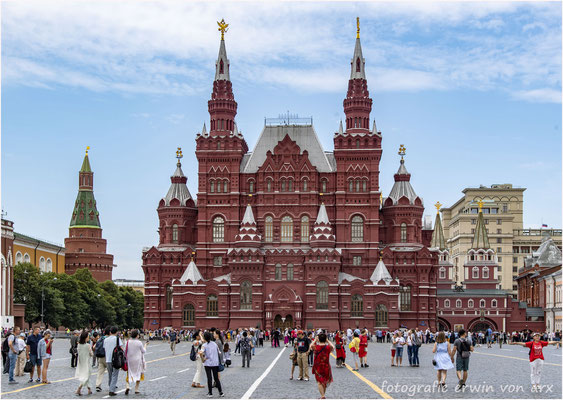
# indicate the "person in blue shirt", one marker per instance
pixel 489 337
pixel 32 354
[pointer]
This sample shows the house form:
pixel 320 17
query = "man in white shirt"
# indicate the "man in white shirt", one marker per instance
pixel 13 353
pixel 110 343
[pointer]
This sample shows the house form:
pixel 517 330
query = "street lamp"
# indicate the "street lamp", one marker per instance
pixel 43 299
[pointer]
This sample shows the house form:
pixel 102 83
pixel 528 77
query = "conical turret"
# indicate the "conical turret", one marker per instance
pixel 322 230
pixel 438 240
pixel 248 234
pixel 178 188
pixel 85 213
pixel 480 238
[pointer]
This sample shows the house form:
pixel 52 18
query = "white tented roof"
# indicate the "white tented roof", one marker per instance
pixel 191 274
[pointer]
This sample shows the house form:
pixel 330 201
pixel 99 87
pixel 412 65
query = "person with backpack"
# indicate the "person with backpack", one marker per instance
pixel 100 355
pixel 113 351
pixel 12 354
pixel 5 352
pixel 173 336
pixel 416 343
pixel 463 348
pixel 74 349
pixel 210 355
pixel 245 349
pixel 195 356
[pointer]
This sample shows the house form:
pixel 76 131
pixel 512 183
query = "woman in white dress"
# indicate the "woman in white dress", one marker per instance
pixel 135 354
pixel 443 359
pixel 84 366
pixel 198 341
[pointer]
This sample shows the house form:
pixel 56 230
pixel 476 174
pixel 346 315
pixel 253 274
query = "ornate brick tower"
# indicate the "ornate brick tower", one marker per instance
pixel 85 247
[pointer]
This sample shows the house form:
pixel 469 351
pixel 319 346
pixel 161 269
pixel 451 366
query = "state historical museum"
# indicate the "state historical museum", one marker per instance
pixel 289 234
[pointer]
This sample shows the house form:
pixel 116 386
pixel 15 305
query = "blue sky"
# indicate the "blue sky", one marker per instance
pixel 473 90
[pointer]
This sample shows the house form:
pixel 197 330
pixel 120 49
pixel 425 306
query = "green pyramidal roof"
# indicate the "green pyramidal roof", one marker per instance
pixel 85 212
pixel 481 239
pixel 438 235
pixel 86 165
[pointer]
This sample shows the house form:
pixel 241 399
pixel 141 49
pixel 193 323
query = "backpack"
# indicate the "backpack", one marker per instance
pixel 416 340
pixel 5 346
pixel 465 348
pixel 118 360
pixel 99 348
pixel 244 344
pixel 193 353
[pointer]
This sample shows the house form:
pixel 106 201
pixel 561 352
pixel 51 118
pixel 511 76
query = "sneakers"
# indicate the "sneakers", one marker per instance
pixel 30 380
pixel 112 394
pixel 38 380
pixel 209 394
pixel 221 394
pixel 306 379
pixel 12 382
pixel 98 389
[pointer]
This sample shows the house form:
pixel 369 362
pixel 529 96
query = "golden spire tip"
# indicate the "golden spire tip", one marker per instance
pixel 87 148
pixel 358 26
pixel 222 28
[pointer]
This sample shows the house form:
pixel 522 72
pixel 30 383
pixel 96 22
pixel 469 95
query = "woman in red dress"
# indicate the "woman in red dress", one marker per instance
pixel 321 366
pixel 340 343
pixel 363 353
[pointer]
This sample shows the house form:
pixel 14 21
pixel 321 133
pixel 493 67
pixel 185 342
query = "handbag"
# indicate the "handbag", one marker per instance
pixel 434 362
pixel 125 366
pixel 28 366
pixel 221 366
pixel 338 346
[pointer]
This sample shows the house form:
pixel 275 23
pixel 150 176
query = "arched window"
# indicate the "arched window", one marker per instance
pixel 485 272
pixel 290 185
pixel 357 185
pixel 251 186
pixel 287 229
pixel 175 233
pixel 304 229
pixel 42 264
pixel 218 230
pixel 351 186
pixel 322 295
pixel 168 297
pixel 442 273
pixel 475 272
pixel 289 272
pixel 278 272
pixel 212 307
pixel 470 303
pixel 357 306
pixel 364 185
pixel 26 258
pixel 323 186
pixel 268 185
pixel 381 316
pixel 246 295
pixel 446 303
pixel 458 303
pixel 226 186
pixel 494 303
pixel 403 233
pixel 405 298
pixel 482 303
pixel 19 257
pixel 357 229
pixel 357 143
pixel 211 186
pixel 305 185
pixel 269 229
pixel 49 265
pixel 218 186
pixel 283 185
pixel 189 315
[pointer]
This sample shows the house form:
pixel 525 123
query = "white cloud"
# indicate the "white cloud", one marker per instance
pixel 544 95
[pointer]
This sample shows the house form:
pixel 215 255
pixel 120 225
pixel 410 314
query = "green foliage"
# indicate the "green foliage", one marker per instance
pixel 75 301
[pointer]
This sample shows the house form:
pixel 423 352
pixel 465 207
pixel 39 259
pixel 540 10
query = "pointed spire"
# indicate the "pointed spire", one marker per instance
pixel 235 132
pixel 85 213
pixel 340 128
pixel 358 62
pixel 374 129
pixel 322 217
pixel 248 234
pixel 248 216
pixel 322 231
pixel 380 273
pixel 86 163
pixel 191 274
pixel 204 130
pixel 402 186
pixel 222 64
pixel 178 189
pixel 480 239
pixel 438 240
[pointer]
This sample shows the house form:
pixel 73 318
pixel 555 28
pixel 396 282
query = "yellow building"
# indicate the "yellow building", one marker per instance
pixel 503 211
pixel 48 257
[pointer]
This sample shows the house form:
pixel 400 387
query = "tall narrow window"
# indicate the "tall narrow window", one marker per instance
pixel 175 233
pixel 357 306
pixel 458 303
pixel 168 297
pixel 475 272
pixel 323 186
pixel 405 298
pixel 485 272
pixel 246 295
pixel 283 185
pixel 269 229
pixel 357 143
pixel 211 186
pixel 218 186
pixel 290 185
pixel 358 64
pixel 304 229
pixel 251 186
pixel 322 295
pixel 403 233
pixel 351 186
pixel 218 230
pixel 442 273
pixel 470 303
pixel 357 229
pixel 482 303
pixel 287 229
pixel 364 185
pixel 189 315
pixel 380 315
pixel 305 185
pixel 289 272
pixel 226 186
pixel 212 309
pixel 278 272
pixel 269 185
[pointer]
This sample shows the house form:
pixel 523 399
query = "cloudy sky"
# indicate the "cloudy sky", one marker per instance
pixel 473 90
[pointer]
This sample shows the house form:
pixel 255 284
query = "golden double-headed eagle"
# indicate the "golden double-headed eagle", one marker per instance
pixel 223 28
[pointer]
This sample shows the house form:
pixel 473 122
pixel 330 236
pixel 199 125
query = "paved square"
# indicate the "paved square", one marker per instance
pixel 494 373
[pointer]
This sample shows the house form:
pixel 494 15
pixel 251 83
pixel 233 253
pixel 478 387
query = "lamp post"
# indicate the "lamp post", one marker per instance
pixel 43 300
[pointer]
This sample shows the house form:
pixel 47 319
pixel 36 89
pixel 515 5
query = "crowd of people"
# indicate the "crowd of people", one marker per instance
pixel 112 351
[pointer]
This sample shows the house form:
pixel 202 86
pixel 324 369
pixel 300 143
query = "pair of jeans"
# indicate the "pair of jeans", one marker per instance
pixel 410 354
pixel 246 356
pixel 415 360
pixel 12 357
pixel 215 372
pixel 113 374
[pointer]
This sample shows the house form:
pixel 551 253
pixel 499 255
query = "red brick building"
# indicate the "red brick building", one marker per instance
pixel 288 233
pixel 85 247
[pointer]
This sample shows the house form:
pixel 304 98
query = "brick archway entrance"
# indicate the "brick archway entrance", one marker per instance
pixel 283 323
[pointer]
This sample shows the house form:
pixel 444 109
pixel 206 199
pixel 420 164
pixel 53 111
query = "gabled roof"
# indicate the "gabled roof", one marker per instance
pixel 342 276
pixel 191 274
pixel 548 254
pixel 380 273
pixel 303 135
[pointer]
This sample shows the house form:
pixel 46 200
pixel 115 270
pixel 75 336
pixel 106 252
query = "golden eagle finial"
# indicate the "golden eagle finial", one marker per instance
pixel 438 205
pixel 179 154
pixel 480 204
pixel 358 26
pixel 223 28
pixel 87 148
pixel 402 151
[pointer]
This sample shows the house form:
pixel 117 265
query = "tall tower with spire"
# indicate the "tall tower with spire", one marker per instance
pixel 85 247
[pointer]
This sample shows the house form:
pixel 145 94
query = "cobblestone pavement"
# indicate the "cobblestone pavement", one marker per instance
pixel 494 373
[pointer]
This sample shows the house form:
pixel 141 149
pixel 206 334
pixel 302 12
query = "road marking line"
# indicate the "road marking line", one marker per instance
pixel 156 379
pixel 184 370
pixel 256 383
pixel 59 359
pixel 95 373
pixel 372 385
pixel 516 358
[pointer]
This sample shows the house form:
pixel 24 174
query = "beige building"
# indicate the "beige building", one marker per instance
pixel 503 211
pixel 137 285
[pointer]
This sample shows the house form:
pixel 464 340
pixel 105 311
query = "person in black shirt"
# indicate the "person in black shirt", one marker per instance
pixel 302 345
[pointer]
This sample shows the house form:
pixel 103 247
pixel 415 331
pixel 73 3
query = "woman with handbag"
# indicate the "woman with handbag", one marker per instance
pixel 442 358
pixel 44 348
pixel 355 348
pixel 321 366
pixel 340 342
pixel 197 342
pixel 135 355
pixel 84 365
pixel 210 355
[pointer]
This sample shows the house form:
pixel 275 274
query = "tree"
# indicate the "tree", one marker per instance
pixel 27 290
